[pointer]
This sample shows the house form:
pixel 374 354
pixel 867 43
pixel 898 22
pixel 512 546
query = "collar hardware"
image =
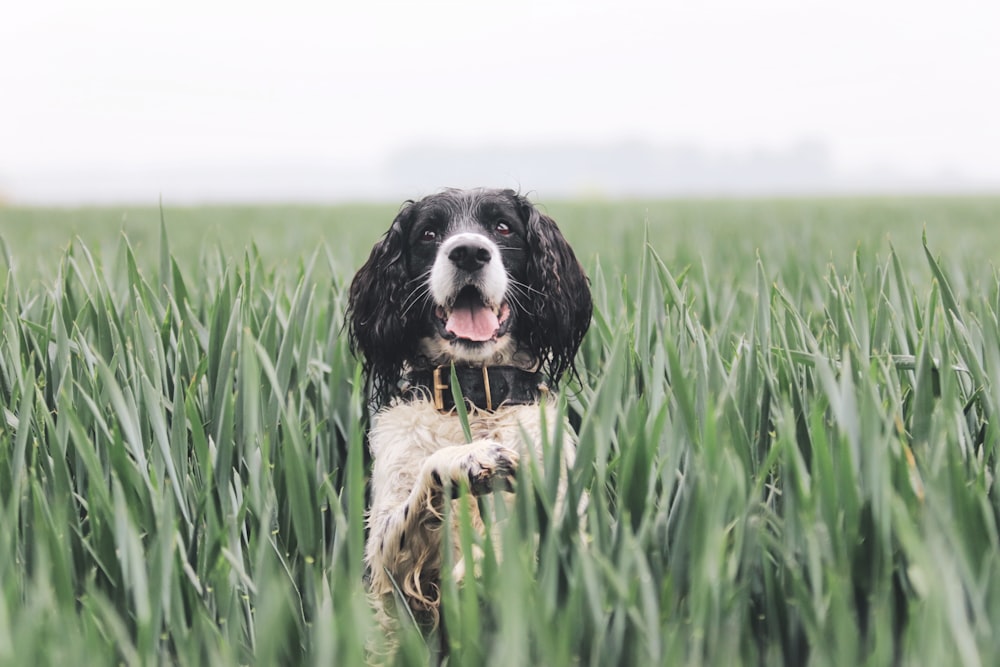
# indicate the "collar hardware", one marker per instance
pixel 484 387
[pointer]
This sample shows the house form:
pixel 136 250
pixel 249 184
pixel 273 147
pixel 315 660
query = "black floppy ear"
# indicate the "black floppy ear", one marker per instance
pixel 375 309
pixel 559 294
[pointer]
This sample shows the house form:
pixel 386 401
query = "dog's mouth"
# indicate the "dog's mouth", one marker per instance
pixel 470 319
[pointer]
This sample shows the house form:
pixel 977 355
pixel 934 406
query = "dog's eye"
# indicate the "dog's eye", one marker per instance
pixel 428 235
pixel 503 229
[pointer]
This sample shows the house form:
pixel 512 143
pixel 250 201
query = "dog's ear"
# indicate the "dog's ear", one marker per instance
pixel 560 305
pixel 375 308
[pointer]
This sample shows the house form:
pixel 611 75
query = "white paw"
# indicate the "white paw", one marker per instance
pixel 485 466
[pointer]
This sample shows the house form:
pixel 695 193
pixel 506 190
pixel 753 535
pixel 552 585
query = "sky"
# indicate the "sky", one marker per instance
pixel 111 87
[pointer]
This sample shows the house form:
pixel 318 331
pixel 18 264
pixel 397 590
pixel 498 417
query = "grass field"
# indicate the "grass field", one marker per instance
pixel 788 430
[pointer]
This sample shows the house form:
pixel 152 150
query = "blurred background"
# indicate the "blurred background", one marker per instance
pixel 207 102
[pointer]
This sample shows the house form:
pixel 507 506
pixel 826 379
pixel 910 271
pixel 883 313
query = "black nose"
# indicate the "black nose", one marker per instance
pixel 469 257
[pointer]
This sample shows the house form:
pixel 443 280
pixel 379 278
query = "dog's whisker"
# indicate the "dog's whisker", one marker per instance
pixel 516 286
pixel 415 297
pixel 414 294
pixel 524 286
pixel 422 276
pixel 515 298
pixel 417 294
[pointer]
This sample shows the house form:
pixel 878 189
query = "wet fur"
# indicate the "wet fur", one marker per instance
pixel 419 452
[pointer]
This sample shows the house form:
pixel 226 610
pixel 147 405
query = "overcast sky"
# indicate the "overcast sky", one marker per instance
pixel 103 84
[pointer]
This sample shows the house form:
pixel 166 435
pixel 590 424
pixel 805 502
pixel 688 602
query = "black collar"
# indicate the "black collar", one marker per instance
pixel 484 387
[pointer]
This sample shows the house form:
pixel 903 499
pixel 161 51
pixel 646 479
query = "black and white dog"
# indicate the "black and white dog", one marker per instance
pixel 481 280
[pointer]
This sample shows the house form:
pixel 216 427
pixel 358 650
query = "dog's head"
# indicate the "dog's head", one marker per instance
pixel 472 277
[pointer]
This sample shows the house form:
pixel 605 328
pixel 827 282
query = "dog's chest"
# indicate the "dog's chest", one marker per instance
pixel 446 428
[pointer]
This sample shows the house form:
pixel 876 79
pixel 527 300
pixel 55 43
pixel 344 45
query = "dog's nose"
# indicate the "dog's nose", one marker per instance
pixel 470 257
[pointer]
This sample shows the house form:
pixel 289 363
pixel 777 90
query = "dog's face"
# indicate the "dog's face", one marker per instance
pixel 474 258
pixel 471 277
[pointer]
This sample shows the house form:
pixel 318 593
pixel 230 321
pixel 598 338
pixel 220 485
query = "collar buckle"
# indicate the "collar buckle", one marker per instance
pixel 486 387
pixel 439 386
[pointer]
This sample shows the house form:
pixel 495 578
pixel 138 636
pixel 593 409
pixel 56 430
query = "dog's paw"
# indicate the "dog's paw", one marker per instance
pixel 490 467
pixel 485 466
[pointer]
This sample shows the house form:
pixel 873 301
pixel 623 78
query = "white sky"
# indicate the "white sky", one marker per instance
pixel 900 83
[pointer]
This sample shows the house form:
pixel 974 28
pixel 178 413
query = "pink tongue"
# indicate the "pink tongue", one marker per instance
pixel 473 322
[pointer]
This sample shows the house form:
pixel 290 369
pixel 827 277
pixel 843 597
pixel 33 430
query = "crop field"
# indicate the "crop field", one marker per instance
pixel 788 413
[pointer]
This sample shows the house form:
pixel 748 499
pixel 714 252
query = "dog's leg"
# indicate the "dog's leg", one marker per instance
pixel 404 543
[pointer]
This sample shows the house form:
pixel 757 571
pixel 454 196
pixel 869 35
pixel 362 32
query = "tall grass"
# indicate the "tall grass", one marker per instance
pixel 181 468
pixel 790 463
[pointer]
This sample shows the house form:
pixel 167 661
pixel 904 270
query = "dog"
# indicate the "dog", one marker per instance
pixel 482 284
